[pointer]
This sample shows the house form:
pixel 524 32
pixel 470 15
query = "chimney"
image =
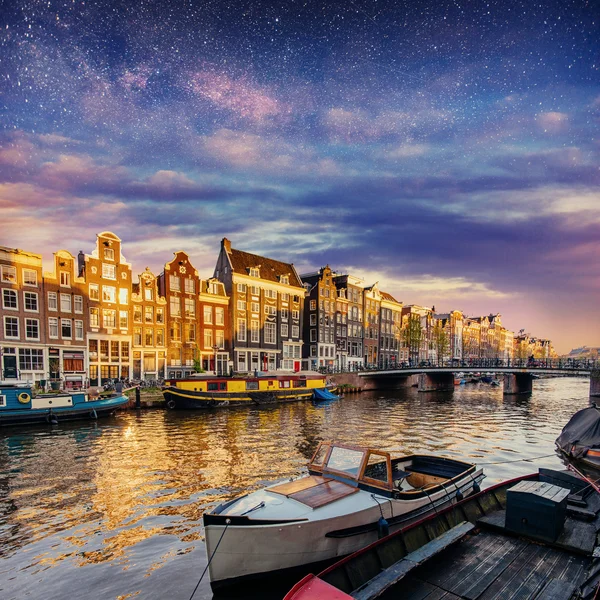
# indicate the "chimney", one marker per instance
pixel 226 244
pixel 81 263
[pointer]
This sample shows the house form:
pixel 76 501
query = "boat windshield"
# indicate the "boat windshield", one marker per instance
pixel 345 460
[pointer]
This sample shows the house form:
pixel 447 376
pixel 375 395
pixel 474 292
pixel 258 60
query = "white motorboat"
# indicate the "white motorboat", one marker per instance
pixel 350 497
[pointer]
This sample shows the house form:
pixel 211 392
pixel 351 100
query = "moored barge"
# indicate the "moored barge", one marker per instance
pixel 211 391
pixel 21 405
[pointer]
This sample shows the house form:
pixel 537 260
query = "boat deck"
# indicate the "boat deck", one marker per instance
pixel 314 491
pixel 487 566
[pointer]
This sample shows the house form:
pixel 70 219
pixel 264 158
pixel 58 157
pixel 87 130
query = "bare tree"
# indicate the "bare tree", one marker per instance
pixel 441 341
pixel 412 336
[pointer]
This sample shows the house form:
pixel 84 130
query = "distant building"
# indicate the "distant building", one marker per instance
pixel 149 328
pixel 22 348
pixel 67 324
pixel 584 352
pixel 319 318
pixel 390 330
pixel 107 277
pixel 179 283
pixel 417 328
pixel 267 305
pixel 351 289
pixel 371 308
pixel 215 327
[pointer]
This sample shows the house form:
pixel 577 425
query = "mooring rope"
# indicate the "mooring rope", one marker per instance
pixel 227 523
pixel 505 462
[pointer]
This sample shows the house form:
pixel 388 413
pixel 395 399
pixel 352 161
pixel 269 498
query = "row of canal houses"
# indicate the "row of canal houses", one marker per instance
pixel 86 322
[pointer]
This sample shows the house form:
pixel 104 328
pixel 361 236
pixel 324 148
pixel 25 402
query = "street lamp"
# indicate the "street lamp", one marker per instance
pixel 215 350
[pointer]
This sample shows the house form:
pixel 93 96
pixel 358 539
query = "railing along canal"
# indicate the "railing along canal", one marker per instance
pixel 545 364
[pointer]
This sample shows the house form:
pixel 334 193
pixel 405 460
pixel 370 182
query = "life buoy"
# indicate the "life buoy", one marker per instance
pixel 23 397
pixel 171 404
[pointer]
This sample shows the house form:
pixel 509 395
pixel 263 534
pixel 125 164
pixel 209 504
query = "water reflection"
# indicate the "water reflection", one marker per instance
pixel 118 503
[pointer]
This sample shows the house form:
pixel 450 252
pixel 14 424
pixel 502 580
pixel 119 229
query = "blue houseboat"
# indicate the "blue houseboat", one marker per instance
pixel 20 406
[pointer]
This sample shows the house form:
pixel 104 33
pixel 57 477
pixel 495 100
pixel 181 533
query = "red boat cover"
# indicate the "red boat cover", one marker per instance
pixel 313 588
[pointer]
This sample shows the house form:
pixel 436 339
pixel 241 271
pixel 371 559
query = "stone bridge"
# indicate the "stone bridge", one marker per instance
pixel 516 379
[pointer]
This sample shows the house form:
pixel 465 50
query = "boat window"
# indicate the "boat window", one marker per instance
pixel 300 383
pixel 377 468
pixel 320 454
pixel 284 384
pixel 216 385
pixel 346 460
pixel 251 385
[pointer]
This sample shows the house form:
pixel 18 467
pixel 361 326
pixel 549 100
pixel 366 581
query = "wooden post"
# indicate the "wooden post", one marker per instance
pixel 595 383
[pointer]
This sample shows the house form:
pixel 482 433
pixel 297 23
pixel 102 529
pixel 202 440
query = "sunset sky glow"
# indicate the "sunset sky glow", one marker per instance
pixel 448 149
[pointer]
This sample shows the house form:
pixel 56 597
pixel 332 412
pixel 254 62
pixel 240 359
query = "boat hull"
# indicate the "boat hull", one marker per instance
pixel 91 410
pixel 289 547
pixel 187 399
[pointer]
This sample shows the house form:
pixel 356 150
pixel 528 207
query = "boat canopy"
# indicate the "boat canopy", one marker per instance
pixel 360 465
pixel 581 433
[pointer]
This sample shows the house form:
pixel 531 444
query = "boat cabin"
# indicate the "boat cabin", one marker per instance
pixel 263 382
pixel 376 471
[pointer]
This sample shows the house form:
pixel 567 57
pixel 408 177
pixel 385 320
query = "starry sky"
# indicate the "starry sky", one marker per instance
pixel 447 149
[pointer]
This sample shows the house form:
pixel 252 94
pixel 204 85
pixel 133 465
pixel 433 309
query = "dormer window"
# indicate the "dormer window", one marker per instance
pixel 254 272
pixel 285 279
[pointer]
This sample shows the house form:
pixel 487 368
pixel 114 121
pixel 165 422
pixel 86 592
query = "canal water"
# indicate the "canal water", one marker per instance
pixel 113 509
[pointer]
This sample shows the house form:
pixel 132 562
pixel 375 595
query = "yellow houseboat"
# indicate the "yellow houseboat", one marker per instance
pixel 210 391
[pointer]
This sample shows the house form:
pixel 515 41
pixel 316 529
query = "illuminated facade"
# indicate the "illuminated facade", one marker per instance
pixel 23 352
pixel 148 328
pixel 266 306
pixel 107 278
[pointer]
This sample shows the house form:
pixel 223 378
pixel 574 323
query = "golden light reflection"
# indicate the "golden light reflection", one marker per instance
pixel 132 490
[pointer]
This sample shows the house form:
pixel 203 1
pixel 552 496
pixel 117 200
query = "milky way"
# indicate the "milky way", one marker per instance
pixel 447 149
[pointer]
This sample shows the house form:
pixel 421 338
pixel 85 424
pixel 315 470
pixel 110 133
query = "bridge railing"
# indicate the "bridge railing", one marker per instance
pixel 480 363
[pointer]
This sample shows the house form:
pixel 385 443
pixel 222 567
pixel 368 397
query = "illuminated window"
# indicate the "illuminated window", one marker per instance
pixel 9 274
pixel 270 333
pixel 53 327
pixel 109 294
pixel 109 271
pixel 29 277
pixel 65 303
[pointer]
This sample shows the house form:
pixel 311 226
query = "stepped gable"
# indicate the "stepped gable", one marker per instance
pixel 270 270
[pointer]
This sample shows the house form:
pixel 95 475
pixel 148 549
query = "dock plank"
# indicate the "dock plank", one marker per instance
pixel 527 577
pixel 417 589
pixel 556 589
pixel 481 556
pixel 386 579
pixel 490 569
